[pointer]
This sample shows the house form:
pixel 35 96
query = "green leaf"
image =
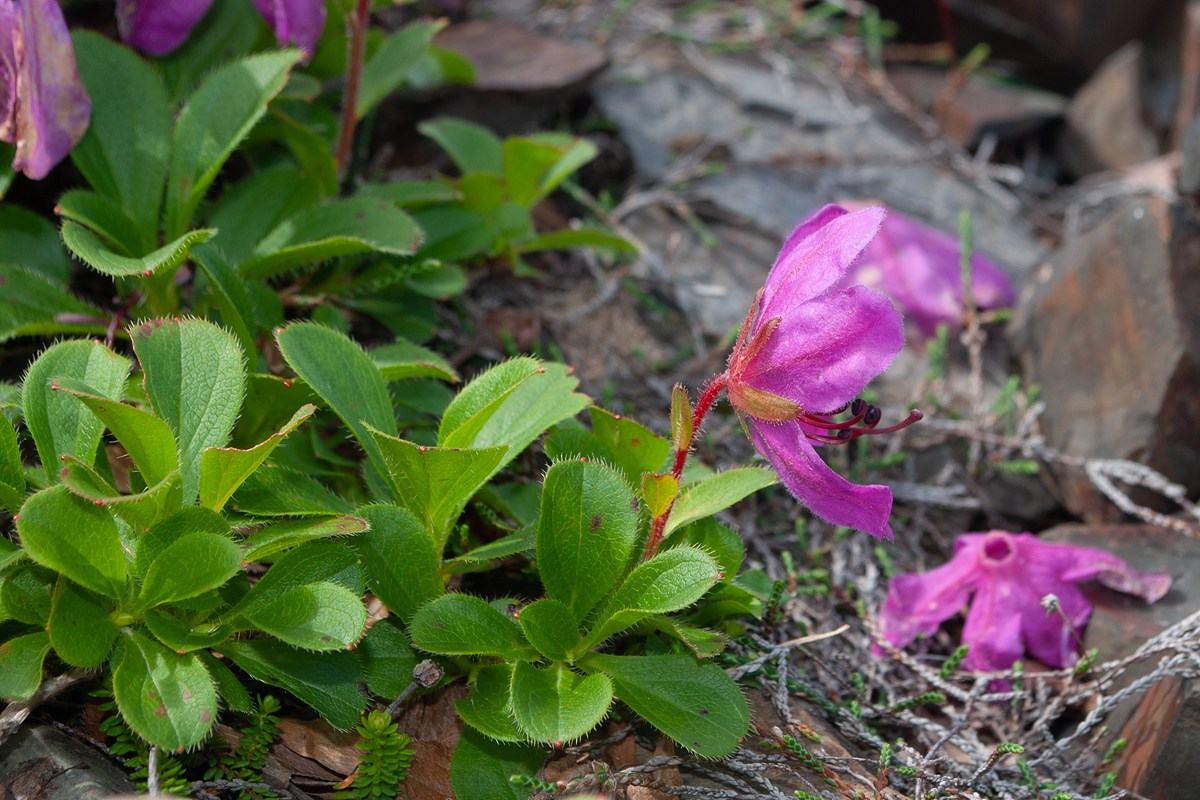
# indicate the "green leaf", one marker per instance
pixel 461 624
pixel 480 768
pixel 91 555
pixel 105 217
pixel 550 627
pixel 393 60
pixel 402 359
pixel 88 248
pixel 229 291
pixel 178 635
pixel 140 510
pixel 344 376
pixel 556 705
pixel 81 628
pixel 695 703
pixel 21 665
pixel 272 540
pixel 480 399
pixel 146 438
pixel 525 161
pixel 315 562
pixel 212 123
pixel 270 403
pixel 30 241
pixel 440 283
pixel 473 147
pixel 318 616
pixel 247 211
pixel 25 594
pixel 162 534
pixel 659 491
pixel 195 379
pixel 704 643
pixel 412 194
pixel 191 565
pixel 59 423
pixel 520 542
pixel 12 475
pixel 441 66
pixel 453 233
pixel 278 492
pixel 357 225
pixel 36 306
pixel 715 539
pixel 635 448
pixel 227 31
pixel 224 469
pixel 488 708
pixel 572 239
pixel 228 686
pixel 403 584
pixel 545 399
pixel 575 153
pixel 326 681
pixel 668 582
pixel 586 533
pixel 717 494
pixel 387 658
pixel 312 151
pixel 166 698
pixel 435 483
pixel 125 152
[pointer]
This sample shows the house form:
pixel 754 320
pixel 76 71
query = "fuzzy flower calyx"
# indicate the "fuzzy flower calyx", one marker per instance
pixel 804 352
pixel 1010 575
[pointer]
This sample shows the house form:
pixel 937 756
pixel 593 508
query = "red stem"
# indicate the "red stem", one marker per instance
pixel 947 24
pixel 703 406
pixel 356 30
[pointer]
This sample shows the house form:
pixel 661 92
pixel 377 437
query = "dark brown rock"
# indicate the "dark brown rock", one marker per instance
pixel 510 58
pixel 41 763
pixel 1108 327
pixel 1105 125
pixel 1161 759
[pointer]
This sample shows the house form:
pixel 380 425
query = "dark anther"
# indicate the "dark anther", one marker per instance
pixel 856 407
pixel 845 434
pixel 872 417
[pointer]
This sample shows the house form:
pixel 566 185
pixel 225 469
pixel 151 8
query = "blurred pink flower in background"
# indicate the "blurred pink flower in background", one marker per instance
pixel 159 26
pixel 918 267
pixel 44 109
pixel 1009 575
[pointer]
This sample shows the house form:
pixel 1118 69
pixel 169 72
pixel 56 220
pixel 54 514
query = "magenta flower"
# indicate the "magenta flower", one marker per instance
pixel 918 267
pixel 805 351
pixel 44 109
pixel 1009 576
pixel 159 26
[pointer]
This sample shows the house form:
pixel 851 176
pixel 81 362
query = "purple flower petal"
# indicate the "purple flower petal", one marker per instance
pixel 297 22
pixel 52 109
pixel 827 350
pixel 827 494
pixel 158 26
pixel 816 256
pixel 918 604
pixel 8 73
pixel 992 631
pixel 1110 571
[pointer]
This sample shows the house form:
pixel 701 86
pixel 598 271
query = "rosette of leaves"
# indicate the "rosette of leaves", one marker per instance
pixel 383 760
pixel 149 577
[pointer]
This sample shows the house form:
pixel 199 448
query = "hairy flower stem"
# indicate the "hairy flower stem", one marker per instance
pixel 356 33
pixel 703 406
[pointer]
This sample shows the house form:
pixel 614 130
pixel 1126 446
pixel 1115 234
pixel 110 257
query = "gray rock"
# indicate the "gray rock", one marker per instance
pixel 43 763
pixel 1108 327
pixel 1105 129
pixel 1189 171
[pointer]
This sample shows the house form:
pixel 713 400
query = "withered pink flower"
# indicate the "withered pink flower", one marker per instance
pixel 1008 576
pixel 44 109
pixel 918 267
pixel 804 352
pixel 159 26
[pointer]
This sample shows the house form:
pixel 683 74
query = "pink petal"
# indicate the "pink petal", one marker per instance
pixel 1108 570
pixel 158 26
pixel 8 73
pixel 823 491
pixel 992 631
pixel 918 604
pixel 816 255
pixel 296 22
pixel 825 351
pixel 52 107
